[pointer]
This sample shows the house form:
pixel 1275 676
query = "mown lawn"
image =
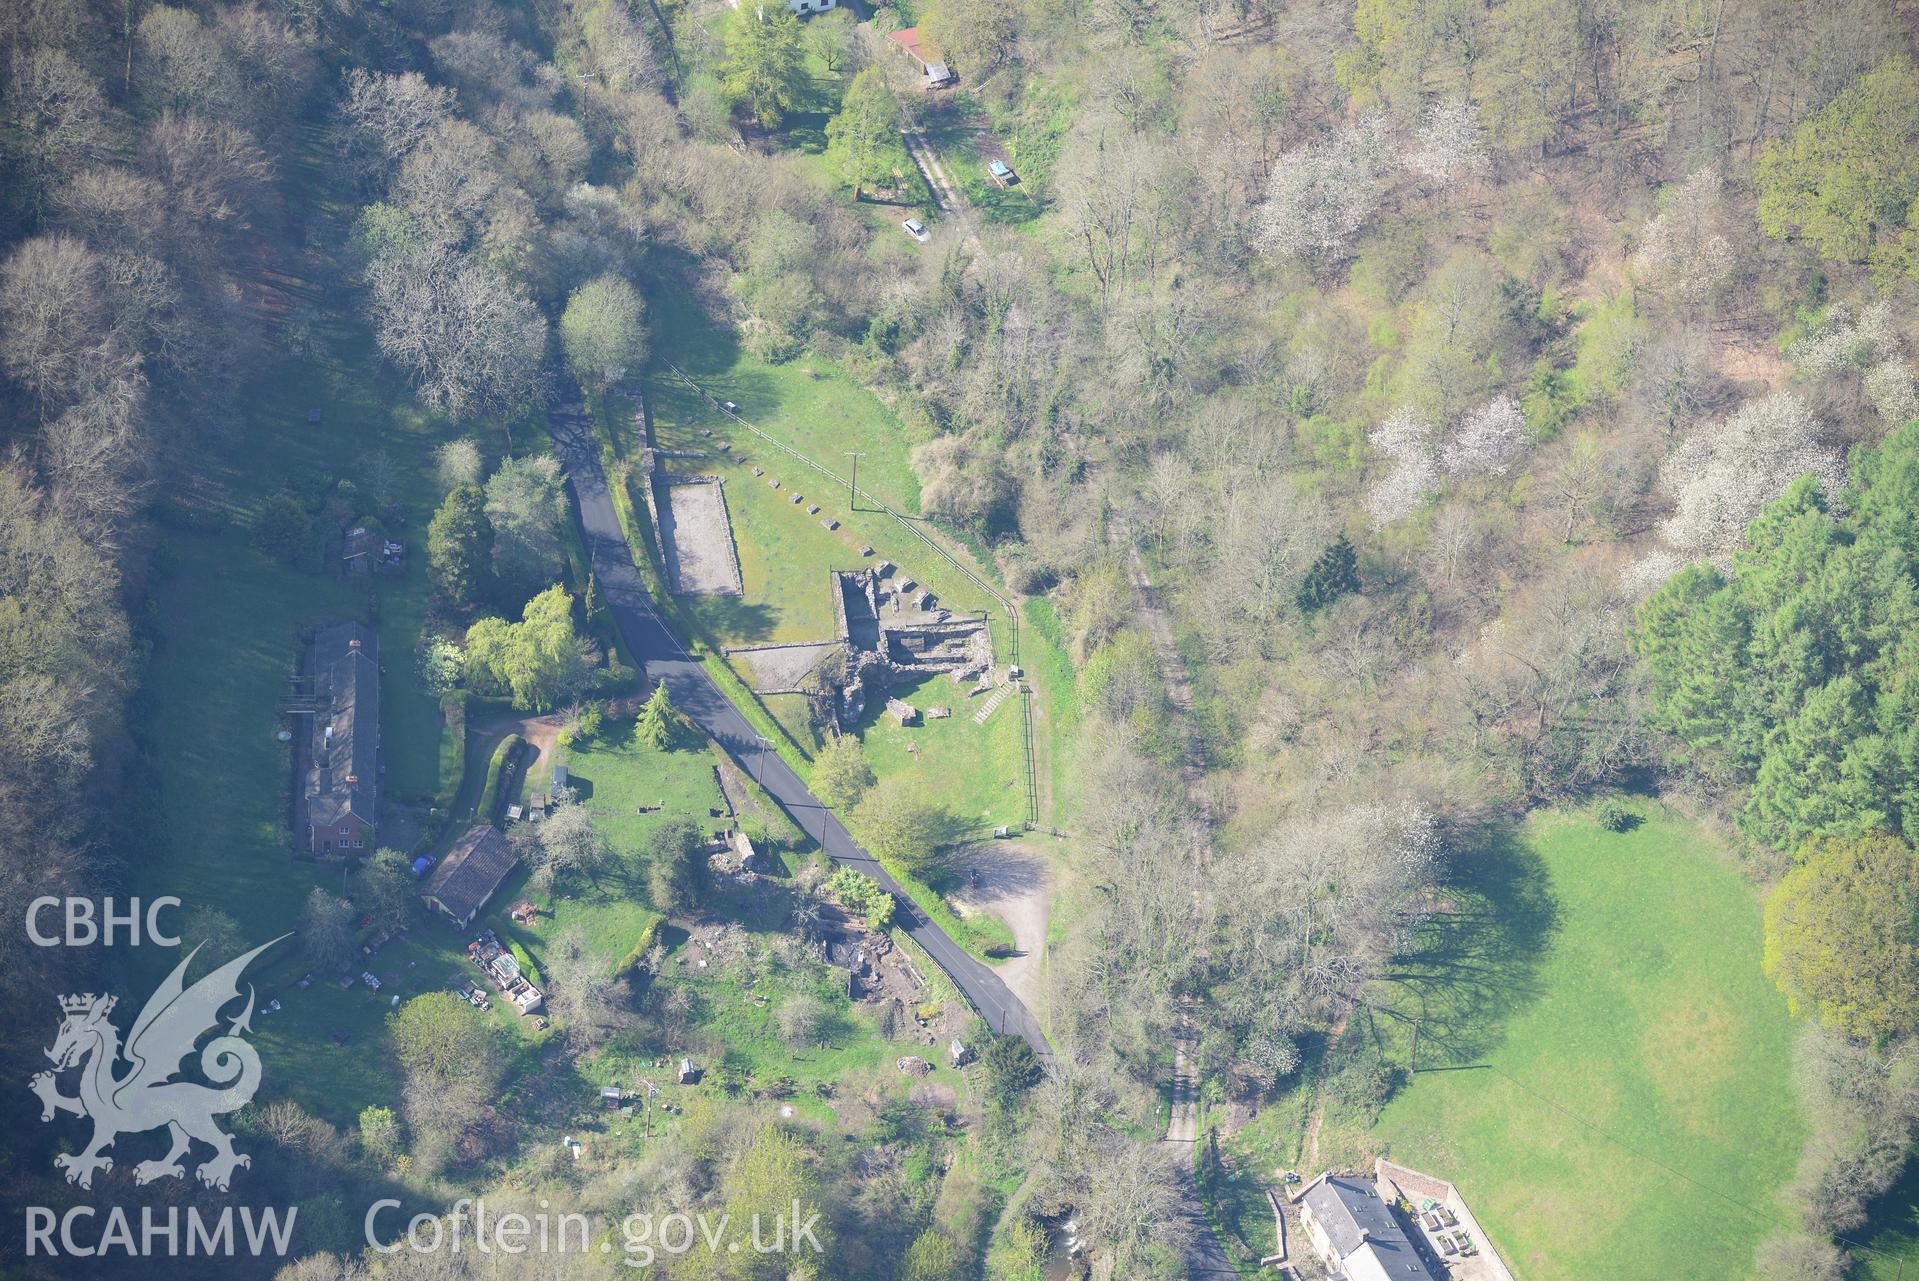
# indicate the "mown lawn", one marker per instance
pixel 1618 1069
pixel 972 771
pixel 808 403
pixel 614 776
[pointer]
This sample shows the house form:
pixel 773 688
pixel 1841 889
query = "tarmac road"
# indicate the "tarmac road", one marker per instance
pixel 695 695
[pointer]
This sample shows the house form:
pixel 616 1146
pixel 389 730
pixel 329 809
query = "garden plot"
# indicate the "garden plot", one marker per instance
pixel 699 538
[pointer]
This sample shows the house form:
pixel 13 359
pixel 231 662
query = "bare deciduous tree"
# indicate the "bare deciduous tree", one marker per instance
pixel 387 116
pixel 59 116
pixel 53 316
pixel 471 344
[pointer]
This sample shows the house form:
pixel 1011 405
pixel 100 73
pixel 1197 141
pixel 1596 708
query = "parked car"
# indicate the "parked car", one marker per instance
pixel 917 230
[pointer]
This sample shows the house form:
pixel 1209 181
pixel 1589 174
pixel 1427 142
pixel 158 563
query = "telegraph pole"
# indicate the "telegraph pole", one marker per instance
pixel 853 485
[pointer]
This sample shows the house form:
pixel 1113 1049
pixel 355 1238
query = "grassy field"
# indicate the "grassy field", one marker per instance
pixel 786 558
pixel 615 778
pixel 808 403
pixel 972 771
pixel 369 450
pixel 219 836
pixel 787 555
pixel 815 408
pixel 837 1081
pixel 1604 1069
pixel 630 791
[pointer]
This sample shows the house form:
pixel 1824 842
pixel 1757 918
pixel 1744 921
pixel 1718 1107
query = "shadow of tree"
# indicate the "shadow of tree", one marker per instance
pixel 686 334
pixel 1475 962
pixel 738 620
pixel 1892 1226
pixel 805 131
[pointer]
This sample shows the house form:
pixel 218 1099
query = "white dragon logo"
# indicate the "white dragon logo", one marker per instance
pixel 147 1097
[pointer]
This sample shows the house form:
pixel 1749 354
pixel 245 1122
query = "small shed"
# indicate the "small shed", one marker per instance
pixel 939 75
pixel 609 1096
pixel 561 778
pixel 356 549
pixel 960 1052
pixel 688 1074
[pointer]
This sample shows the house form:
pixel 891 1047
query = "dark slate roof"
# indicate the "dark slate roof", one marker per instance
pixel 1352 1215
pixel 470 872
pixel 347 678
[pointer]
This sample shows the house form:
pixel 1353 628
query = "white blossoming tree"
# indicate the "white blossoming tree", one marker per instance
pixel 1683 250
pixel 1843 342
pixel 1642 577
pixel 1406 441
pixel 1893 391
pixel 1321 194
pixel 1723 475
pixel 1451 146
pixel 1844 345
pixel 1488 440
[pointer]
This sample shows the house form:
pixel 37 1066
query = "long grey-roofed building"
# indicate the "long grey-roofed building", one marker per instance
pixel 342 786
pixel 1357 1233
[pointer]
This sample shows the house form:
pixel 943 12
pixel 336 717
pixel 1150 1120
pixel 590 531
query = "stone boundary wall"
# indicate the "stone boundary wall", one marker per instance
pixel 1411 1184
